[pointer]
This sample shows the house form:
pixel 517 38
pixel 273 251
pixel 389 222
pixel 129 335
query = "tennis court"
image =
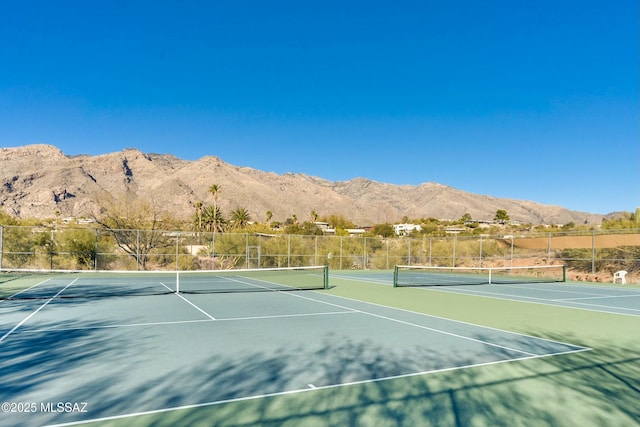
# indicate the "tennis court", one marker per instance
pixel 550 289
pixel 356 352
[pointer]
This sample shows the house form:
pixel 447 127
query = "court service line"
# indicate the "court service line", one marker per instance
pixel 449 333
pixel 34 312
pixel 27 289
pixel 600 306
pixel 278 316
pixel 196 307
pixel 453 320
pixel 439 331
pixel 310 388
pixel 523 299
pixel 377 281
pixel 255 285
pixel 540 287
pixel 180 322
pixel 498 295
pixel 596 297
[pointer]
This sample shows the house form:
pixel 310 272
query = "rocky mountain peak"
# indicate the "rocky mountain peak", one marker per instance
pixel 41 181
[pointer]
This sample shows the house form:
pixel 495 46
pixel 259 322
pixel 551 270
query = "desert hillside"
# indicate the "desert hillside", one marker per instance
pixel 41 181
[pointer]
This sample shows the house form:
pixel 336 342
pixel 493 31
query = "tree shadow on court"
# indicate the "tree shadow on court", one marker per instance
pixel 100 365
pixel 606 379
pixel 30 359
pixel 565 390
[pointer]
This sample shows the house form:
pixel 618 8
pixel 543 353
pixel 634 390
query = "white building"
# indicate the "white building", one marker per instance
pixel 404 229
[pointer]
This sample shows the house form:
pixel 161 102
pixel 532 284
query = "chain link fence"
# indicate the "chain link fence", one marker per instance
pixel 594 255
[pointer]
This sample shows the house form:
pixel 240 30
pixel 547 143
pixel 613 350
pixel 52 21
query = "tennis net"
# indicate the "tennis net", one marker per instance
pixel 45 284
pixel 405 275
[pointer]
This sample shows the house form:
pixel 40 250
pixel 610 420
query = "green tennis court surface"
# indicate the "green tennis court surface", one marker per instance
pixel 358 353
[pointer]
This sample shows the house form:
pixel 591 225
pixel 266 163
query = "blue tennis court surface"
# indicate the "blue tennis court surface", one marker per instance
pixel 110 358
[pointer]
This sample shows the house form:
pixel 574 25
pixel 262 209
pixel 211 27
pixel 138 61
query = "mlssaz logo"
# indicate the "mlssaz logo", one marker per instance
pixel 66 407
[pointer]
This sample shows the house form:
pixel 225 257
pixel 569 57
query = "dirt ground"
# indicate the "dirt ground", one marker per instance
pixel 573 242
pixel 577 242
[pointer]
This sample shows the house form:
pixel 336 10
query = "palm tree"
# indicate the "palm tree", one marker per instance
pixel 212 219
pixel 240 217
pixel 269 216
pixel 214 189
pixel 199 215
pixel 314 216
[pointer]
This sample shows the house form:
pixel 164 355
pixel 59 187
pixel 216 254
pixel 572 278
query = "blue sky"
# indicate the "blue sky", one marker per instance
pixel 535 100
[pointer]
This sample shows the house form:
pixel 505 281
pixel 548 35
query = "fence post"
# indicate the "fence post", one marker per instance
pixel 453 254
pixel 387 243
pixel 511 256
pixel 51 249
pixel 177 250
pixel 1 244
pixel 213 250
pixel 593 251
pixel 137 249
pixel 364 253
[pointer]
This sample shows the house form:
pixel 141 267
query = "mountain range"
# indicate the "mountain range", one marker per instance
pixel 40 181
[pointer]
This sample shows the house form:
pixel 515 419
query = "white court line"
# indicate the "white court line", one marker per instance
pixel 497 295
pixel 602 286
pixel 540 287
pixel 597 297
pixel 278 316
pixel 428 328
pixel 196 307
pixel 258 286
pixel 526 356
pixel 33 313
pixel 233 280
pixel 444 318
pixel 451 334
pixel 180 322
pixel 25 290
pixel 380 281
pixel 304 390
pixel 602 306
pixel 523 299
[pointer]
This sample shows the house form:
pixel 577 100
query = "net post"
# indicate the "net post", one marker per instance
pixel 564 273
pixel 490 271
pixel 326 277
pixel 395 276
pixel 177 281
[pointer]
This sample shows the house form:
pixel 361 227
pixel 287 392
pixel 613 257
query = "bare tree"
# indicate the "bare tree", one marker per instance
pixel 136 225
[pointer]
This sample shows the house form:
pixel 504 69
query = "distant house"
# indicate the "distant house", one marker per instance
pixel 324 226
pixel 455 229
pixel 404 229
pixel 479 223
